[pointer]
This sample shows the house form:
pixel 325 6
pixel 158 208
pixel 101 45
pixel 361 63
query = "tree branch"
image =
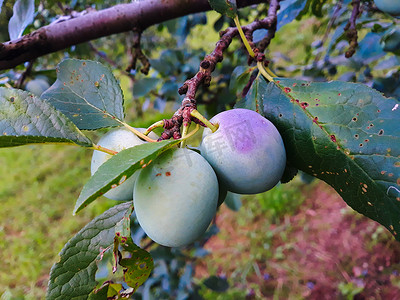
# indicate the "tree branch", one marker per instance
pixel 351 30
pixel 207 66
pixel 93 25
pixel 272 19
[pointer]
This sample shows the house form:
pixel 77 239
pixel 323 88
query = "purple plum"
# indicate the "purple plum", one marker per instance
pixel 246 151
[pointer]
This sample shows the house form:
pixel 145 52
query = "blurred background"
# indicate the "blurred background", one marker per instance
pixel 297 241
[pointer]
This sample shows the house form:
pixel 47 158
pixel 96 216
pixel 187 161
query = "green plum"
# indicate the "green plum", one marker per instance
pixel 118 140
pixel 175 197
pixel 391 7
pixel 246 151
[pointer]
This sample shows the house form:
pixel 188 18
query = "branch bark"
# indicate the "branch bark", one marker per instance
pixel 116 19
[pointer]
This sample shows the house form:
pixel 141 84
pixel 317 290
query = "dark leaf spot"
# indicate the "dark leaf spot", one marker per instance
pixel 304 104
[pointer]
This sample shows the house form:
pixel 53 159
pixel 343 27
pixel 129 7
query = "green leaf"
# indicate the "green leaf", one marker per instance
pixel 123 228
pixel 87 93
pixel 217 284
pixel 252 100
pixel 345 134
pixel 119 168
pixel 224 7
pixel 23 13
pixel 316 7
pixel 26 119
pixel 138 267
pixel 239 79
pixel 108 290
pixel 73 277
pixel 144 86
pixel 290 10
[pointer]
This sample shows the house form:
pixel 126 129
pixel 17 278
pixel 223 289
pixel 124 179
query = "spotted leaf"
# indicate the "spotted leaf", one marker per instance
pixel 119 168
pixel 224 7
pixel 73 277
pixel 345 134
pixel 87 93
pixel 26 119
pixel 139 264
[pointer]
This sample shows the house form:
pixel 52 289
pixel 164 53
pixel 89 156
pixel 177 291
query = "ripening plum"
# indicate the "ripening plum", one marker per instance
pixel 175 197
pixel 246 151
pixel 391 7
pixel 118 140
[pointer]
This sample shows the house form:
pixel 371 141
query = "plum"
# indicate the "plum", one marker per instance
pixel 390 42
pixel 391 7
pixel 37 86
pixel 117 140
pixel 223 191
pixel 175 197
pixel 246 151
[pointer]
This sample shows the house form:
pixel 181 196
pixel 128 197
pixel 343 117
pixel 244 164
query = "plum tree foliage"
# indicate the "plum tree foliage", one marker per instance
pixel 333 113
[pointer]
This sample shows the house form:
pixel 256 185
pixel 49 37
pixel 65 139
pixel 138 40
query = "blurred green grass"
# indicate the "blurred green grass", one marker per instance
pixel 40 186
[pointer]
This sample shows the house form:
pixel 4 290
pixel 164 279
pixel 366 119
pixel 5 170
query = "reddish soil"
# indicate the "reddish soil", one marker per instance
pixel 324 244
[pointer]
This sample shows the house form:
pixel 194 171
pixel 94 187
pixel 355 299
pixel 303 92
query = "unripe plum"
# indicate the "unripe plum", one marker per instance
pixel 391 41
pixel 37 86
pixel 175 197
pixel 118 140
pixel 246 151
pixel 391 7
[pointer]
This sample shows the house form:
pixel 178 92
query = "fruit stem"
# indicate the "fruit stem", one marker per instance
pixel 191 133
pixel 269 71
pixel 263 72
pixel 195 113
pixel 184 134
pixel 241 33
pixel 154 126
pixel 102 149
pixel 138 133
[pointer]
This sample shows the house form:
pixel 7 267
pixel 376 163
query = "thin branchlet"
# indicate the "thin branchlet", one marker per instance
pixel 207 66
pixel 351 30
pixel 137 54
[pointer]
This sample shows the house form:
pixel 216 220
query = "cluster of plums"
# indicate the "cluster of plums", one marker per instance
pixel 177 195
